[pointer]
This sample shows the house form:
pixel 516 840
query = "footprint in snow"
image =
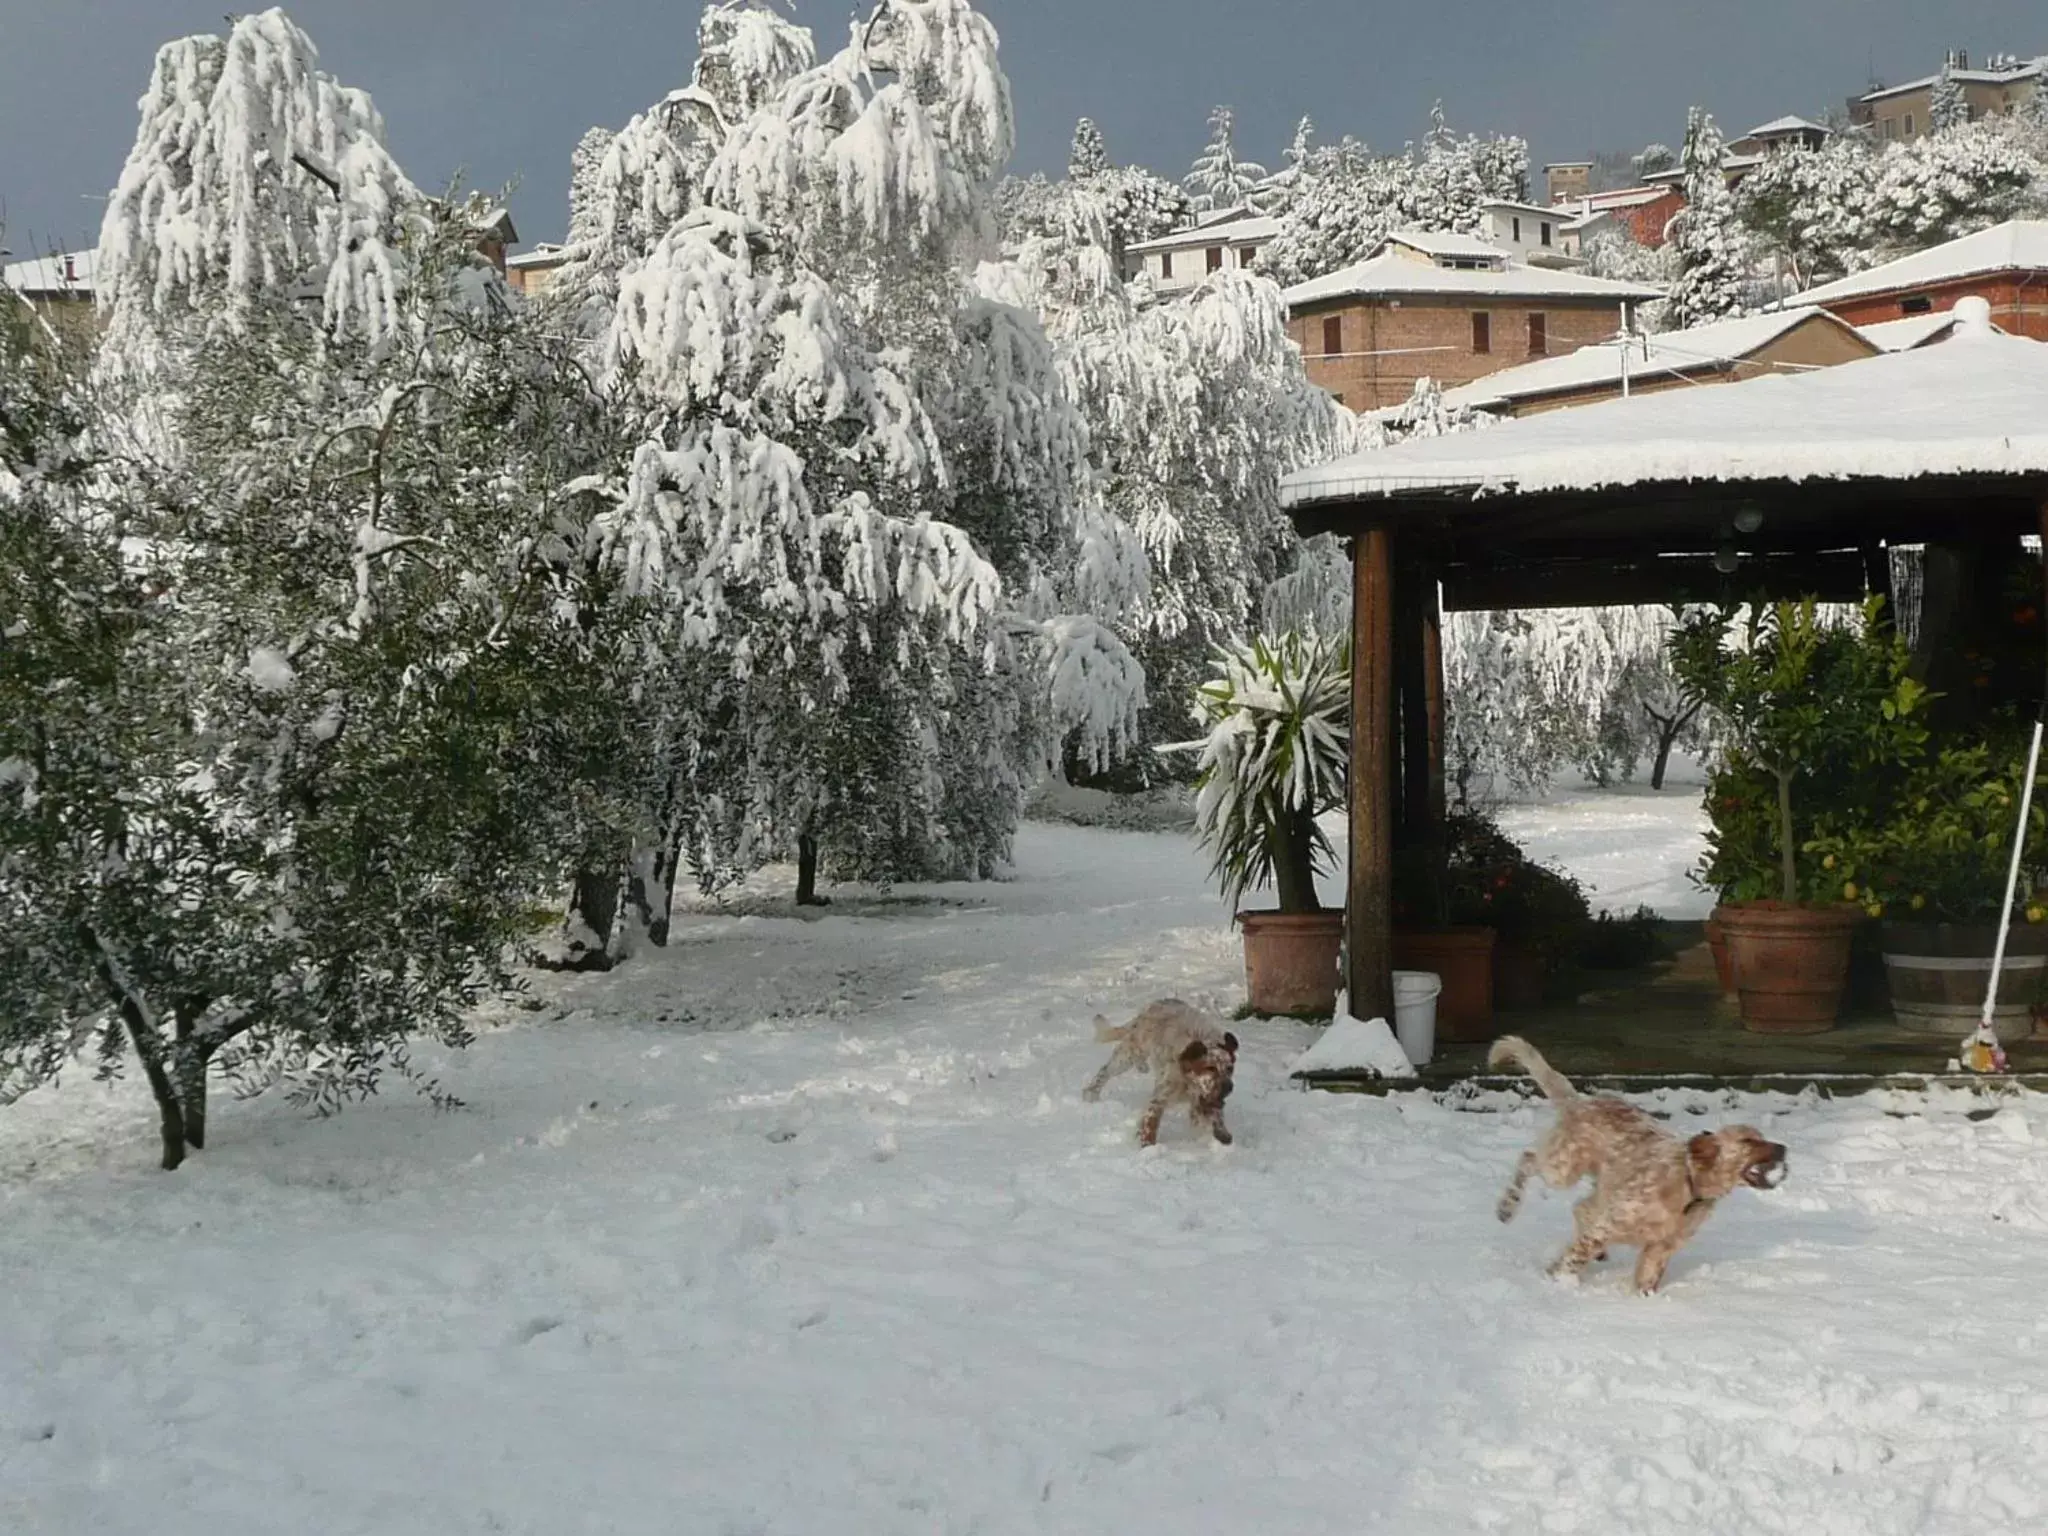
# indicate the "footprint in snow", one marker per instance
pixel 534 1328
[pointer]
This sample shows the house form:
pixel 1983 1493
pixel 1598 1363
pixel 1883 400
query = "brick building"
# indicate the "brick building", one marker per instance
pixel 2006 265
pixel 1368 332
pixel 1642 213
pixel 59 288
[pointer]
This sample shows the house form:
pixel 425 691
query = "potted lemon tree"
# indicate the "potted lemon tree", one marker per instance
pixel 1272 762
pixel 1821 720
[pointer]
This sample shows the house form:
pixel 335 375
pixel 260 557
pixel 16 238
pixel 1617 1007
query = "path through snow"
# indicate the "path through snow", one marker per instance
pixel 801 1227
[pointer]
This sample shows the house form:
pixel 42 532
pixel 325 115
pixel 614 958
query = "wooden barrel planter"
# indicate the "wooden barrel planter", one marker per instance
pixel 1463 958
pixel 1290 961
pixel 1790 963
pixel 1521 976
pixel 1938 973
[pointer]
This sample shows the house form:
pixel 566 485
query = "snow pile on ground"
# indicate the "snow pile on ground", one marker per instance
pixel 1356 1045
pixel 801 1226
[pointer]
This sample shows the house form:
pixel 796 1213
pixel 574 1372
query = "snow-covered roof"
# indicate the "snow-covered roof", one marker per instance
pixel 48 274
pixel 1971 406
pixel 2018 245
pixel 1446 246
pixel 1783 125
pixel 2020 71
pixel 1696 349
pixel 1913 331
pixel 542 255
pixel 1514 207
pixel 1238 227
pixel 1626 197
pixel 1392 274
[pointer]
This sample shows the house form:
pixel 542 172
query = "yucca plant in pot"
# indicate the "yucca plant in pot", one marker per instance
pixel 1820 717
pixel 1273 760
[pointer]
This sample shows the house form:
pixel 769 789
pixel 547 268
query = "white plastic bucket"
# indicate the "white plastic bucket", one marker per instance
pixel 1415 1013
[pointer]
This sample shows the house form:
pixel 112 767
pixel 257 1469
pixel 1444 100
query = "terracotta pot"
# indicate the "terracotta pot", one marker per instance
pixel 1717 944
pixel 1290 961
pixel 1521 976
pixel 1790 963
pixel 1463 958
pixel 1938 973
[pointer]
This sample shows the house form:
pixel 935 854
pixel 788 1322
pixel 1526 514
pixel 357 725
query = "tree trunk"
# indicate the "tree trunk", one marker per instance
pixel 648 891
pixel 666 859
pixel 189 1062
pixel 593 908
pixel 1668 731
pixel 807 872
pixel 170 1113
pixel 1294 868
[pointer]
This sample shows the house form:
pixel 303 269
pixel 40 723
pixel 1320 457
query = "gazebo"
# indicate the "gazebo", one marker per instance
pixel 1782 486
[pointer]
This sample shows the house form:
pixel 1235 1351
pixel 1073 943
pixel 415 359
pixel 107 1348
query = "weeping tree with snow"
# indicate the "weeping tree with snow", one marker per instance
pixel 293 756
pixel 860 492
pixel 1709 251
pixel 1219 180
pixel 1088 155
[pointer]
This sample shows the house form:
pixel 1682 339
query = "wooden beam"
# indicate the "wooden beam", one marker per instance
pixel 1369 899
pixel 1433 697
pixel 1838 577
pixel 1411 700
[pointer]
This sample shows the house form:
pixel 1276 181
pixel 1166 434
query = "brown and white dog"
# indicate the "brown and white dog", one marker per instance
pixel 1651 1191
pixel 1191 1058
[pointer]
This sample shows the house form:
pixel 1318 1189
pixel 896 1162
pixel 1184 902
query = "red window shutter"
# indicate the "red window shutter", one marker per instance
pixel 1538 336
pixel 1333 336
pixel 1482 331
pixel 1215 258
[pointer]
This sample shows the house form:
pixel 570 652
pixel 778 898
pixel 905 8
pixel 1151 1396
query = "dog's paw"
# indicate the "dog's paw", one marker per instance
pixel 1223 1136
pixel 1090 1095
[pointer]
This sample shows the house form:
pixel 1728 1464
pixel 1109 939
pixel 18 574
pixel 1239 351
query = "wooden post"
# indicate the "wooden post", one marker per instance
pixel 1369 899
pixel 1433 695
pixel 1411 693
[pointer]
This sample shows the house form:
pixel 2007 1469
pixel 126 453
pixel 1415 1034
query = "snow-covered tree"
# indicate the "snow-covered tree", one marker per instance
pixel 1708 247
pixel 1349 199
pixel 1088 156
pixel 1219 179
pixel 862 494
pixel 1280 188
pixel 254 173
pixel 1652 158
pixel 291 756
pixel 1947 107
pixel 1948 185
pixel 586 165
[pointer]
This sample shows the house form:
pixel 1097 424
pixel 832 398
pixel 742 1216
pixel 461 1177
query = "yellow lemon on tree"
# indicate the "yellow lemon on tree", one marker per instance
pixel 2037 913
pixel 1919 902
pixel 1875 909
pixel 1849 891
pixel 1828 862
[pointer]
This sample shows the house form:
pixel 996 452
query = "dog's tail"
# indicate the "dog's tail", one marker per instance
pixel 1106 1031
pixel 1514 1050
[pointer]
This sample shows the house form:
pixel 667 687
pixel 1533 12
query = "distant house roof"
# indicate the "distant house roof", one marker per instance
pixel 542 255
pixel 1399 276
pixel 1234 226
pixel 2020 245
pixel 1514 207
pixel 1697 349
pixel 67 274
pixel 1626 197
pixel 1912 331
pixel 1779 127
pixel 1975 411
pixel 1448 247
pixel 2022 69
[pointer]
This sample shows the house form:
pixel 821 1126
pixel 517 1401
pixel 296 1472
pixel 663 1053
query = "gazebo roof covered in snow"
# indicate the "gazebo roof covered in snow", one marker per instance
pixel 1977 406
pixel 1903 447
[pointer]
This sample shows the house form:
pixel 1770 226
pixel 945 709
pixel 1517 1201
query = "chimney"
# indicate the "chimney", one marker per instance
pixel 70 269
pixel 1959 58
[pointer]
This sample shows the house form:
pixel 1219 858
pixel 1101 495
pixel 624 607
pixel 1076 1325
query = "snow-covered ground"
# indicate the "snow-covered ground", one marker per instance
pixel 801 1227
pixel 1629 845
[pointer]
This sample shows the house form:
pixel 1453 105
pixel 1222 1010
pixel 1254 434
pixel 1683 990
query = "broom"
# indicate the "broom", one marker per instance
pixel 1981 1051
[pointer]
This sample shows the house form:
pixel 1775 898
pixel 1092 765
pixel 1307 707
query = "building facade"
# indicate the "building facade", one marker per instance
pixel 1905 112
pixel 1184 259
pixel 1369 332
pixel 2006 266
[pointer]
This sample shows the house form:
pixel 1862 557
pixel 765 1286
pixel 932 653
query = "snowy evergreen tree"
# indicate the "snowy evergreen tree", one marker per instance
pixel 1947 107
pixel 1219 180
pixel 1948 185
pixel 1708 246
pixel 1088 156
pixel 1280 189
pixel 586 165
pixel 1653 158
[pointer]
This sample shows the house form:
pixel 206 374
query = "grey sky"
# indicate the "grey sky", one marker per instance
pixel 503 88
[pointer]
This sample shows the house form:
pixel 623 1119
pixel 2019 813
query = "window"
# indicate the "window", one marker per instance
pixel 1918 304
pixel 1215 254
pixel 1546 233
pixel 1518 231
pixel 1339 397
pixel 1538 339
pixel 1333 336
pixel 1909 125
pixel 1166 263
pixel 1482 332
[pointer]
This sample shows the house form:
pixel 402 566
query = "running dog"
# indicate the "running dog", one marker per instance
pixel 1651 1191
pixel 1191 1059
